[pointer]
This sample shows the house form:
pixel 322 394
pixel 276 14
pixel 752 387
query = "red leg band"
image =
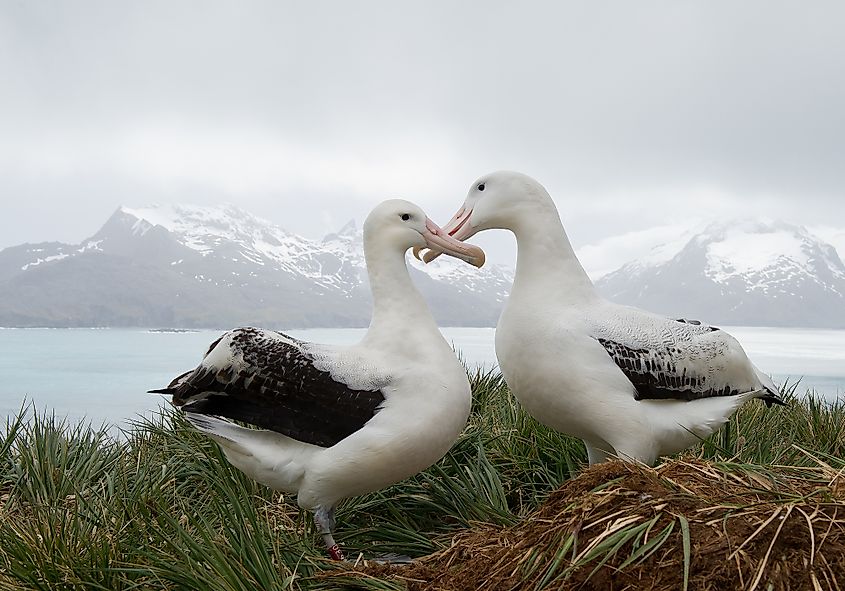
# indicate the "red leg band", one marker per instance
pixel 335 552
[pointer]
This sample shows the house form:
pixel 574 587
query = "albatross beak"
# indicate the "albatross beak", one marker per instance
pixel 438 240
pixel 458 228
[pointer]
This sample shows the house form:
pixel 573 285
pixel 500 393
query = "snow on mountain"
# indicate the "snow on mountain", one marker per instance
pixel 260 242
pixel 220 266
pixel 738 272
pixel 184 265
pixel 769 256
pixel 207 230
pixel 833 236
pixel 644 247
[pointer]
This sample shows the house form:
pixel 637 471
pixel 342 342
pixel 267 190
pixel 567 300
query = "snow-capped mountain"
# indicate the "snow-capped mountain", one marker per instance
pixel 220 266
pixel 188 266
pixel 764 273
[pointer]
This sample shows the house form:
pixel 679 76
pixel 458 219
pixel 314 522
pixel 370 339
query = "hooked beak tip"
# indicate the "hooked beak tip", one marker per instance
pixel 430 256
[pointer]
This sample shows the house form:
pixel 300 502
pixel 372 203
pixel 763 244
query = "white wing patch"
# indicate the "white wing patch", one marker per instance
pixel 347 366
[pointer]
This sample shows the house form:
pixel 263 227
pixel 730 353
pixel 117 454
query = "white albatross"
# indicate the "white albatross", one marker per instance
pixel 630 383
pixel 337 422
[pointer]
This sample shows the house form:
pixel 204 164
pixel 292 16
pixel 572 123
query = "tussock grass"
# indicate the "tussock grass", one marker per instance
pixel 160 508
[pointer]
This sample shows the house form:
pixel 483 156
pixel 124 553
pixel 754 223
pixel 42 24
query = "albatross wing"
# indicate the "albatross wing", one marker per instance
pixel 276 382
pixel 679 359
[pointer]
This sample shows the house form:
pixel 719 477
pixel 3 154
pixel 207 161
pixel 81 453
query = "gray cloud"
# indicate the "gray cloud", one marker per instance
pixel 632 114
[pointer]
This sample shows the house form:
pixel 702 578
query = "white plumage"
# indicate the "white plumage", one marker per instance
pixel 629 383
pixel 340 421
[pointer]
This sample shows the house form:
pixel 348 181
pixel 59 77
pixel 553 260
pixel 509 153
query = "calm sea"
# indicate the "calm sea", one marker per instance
pixel 103 374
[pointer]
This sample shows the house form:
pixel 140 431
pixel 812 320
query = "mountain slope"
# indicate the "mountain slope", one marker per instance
pixel 186 266
pixel 748 272
pixel 190 266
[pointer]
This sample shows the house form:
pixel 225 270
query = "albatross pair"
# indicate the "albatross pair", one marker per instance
pixel 343 421
pixel 338 422
pixel 631 384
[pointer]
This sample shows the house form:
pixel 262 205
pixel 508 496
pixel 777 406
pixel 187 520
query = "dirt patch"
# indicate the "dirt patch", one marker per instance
pixel 685 524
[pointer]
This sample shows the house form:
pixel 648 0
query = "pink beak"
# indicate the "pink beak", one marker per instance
pixel 458 228
pixel 438 240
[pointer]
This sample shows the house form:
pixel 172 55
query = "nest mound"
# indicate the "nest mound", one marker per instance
pixel 690 525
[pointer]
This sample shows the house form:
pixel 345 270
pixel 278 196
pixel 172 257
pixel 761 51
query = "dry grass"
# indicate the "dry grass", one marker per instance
pixel 687 524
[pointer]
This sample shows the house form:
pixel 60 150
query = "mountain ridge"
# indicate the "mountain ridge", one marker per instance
pixel 186 266
pixel 197 267
pixel 754 272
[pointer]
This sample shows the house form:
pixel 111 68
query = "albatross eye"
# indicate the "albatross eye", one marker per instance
pixel 405 217
pixel 481 187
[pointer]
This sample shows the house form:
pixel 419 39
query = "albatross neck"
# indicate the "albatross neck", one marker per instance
pixel 401 317
pixel 546 264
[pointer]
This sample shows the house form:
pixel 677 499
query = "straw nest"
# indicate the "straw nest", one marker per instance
pixel 685 525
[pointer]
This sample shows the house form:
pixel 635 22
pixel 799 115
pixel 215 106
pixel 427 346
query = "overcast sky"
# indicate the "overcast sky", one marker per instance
pixel 633 114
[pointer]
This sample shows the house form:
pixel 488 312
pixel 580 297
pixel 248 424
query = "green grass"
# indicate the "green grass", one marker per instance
pixel 160 508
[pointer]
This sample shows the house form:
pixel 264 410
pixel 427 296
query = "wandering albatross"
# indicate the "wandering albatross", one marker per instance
pixel 337 422
pixel 630 383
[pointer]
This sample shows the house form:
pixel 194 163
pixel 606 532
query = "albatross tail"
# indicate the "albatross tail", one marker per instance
pixel 270 458
pixel 769 393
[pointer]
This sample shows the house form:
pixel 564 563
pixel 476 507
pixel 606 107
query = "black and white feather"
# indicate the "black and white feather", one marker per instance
pixel 276 382
pixel 679 359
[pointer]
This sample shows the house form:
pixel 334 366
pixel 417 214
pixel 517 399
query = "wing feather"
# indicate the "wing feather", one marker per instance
pixel 675 359
pixel 276 382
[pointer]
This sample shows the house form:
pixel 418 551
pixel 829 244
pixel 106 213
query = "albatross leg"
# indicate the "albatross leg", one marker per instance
pixel 324 520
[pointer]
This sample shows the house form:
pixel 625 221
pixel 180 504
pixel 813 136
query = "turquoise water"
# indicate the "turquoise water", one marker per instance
pixel 103 374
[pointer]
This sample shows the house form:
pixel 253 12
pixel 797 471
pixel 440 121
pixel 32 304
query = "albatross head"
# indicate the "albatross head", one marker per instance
pixel 504 200
pixel 400 224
